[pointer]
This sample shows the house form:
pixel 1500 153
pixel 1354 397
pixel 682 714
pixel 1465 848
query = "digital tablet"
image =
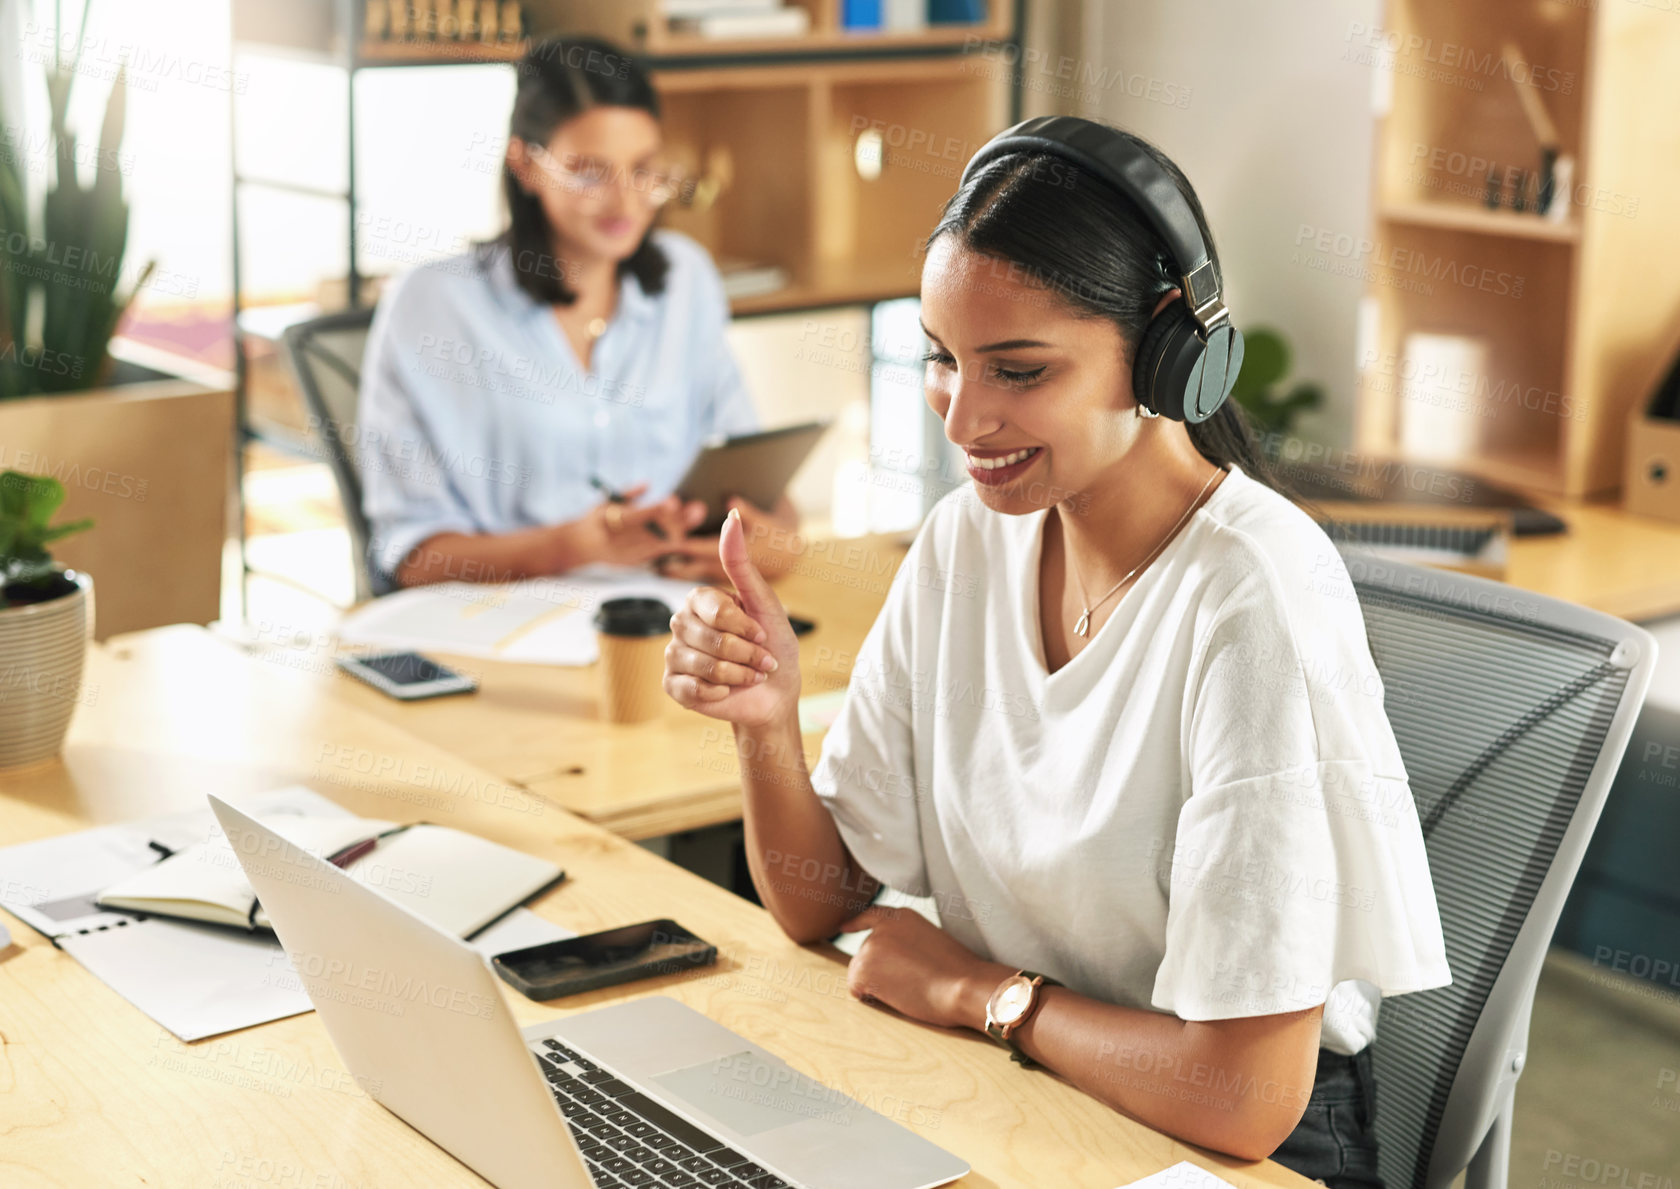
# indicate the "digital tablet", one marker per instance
pixel 755 466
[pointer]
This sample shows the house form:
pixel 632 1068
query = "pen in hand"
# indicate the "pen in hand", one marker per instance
pixel 617 497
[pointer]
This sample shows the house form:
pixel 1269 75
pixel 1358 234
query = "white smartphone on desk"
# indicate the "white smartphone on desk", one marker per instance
pixel 406 675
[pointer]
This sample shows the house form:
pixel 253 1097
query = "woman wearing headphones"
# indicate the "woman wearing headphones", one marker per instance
pixel 517 400
pixel 1131 742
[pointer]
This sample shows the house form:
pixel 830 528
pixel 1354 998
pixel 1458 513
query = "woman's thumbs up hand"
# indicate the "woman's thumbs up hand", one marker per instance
pixel 733 655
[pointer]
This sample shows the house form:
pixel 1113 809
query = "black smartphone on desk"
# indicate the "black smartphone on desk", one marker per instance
pixel 604 959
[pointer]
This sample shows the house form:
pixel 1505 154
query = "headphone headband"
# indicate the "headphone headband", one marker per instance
pixel 1123 165
pixel 1187 360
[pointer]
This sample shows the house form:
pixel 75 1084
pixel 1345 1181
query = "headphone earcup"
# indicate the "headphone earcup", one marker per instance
pixel 1157 372
pixel 1177 374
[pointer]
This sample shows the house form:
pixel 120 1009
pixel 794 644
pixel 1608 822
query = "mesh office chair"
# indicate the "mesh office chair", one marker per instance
pixel 1512 712
pixel 325 355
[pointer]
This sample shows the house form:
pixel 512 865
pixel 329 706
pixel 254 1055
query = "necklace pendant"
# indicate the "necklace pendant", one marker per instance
pixel 1084 624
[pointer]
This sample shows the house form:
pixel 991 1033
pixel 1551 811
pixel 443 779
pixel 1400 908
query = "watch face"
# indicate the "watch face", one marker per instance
pixel 1012 1000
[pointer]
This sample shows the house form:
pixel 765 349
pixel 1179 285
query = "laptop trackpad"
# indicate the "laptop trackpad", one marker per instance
pixel 750 1095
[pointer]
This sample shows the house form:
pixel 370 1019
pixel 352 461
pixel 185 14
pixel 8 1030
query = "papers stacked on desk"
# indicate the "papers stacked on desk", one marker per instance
pixel 544 621
pixel 197 980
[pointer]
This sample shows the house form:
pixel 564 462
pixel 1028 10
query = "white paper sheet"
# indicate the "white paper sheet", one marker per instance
pixel 1182 1175
pixel 545 621
pixel 196 980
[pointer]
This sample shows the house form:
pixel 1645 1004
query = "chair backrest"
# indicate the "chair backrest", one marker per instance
pixel 325 355
pixel 1512 712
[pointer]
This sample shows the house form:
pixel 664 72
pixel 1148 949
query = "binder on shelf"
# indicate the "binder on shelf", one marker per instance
pixel 956 12
pixel 860 14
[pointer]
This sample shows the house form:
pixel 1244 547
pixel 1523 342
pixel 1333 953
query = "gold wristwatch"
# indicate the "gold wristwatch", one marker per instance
pixel 1011 1005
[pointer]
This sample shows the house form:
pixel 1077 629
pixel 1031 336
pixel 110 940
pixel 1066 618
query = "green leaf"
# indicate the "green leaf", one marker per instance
pixel 27 503
pixel 78 307
pixel 1265 360
pixel 64 530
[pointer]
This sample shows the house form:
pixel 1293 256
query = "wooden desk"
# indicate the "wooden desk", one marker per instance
pixel 537 726
pixel 96 1094
pixel 1610 560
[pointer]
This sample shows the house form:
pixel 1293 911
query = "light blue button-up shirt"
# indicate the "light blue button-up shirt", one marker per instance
pixel 476 417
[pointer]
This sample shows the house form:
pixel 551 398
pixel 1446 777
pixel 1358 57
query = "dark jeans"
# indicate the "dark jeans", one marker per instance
pixel 1336 1141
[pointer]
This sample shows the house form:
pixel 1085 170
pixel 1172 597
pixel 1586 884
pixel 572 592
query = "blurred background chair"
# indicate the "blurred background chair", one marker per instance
pixel 325 355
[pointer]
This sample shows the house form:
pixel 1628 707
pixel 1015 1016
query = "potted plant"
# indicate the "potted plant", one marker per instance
pixel 46 617
pixel 69 254
pixel 1272 411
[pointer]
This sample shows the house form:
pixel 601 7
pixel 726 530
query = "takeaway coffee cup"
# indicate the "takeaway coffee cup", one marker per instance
pixel 632 635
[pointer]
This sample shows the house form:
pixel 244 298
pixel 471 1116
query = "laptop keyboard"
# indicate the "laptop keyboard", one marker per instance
pixel 628 1139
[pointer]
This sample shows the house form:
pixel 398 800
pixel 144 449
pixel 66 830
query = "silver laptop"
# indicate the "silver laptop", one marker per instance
pixel 643 1093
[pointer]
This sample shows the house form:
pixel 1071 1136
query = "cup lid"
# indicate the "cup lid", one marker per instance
pixel 633 617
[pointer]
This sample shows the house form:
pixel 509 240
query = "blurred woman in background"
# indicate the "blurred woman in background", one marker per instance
pixel 529 407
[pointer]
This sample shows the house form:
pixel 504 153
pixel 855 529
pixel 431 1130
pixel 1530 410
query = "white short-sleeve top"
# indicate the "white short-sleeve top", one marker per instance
pixel 1203 812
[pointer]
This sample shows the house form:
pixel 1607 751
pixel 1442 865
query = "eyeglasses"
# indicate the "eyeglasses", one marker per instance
pixel 589 178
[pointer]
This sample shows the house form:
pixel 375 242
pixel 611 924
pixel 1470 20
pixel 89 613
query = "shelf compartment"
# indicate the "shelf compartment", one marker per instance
pixel 1455 112
pixel 753 132
pixel 893 145
pixel 1512 413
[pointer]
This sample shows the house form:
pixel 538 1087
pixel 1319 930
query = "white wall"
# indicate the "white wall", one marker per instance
pixel 1272 126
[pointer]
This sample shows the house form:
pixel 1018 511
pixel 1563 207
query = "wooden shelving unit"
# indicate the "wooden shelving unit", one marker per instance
pixel 1572 314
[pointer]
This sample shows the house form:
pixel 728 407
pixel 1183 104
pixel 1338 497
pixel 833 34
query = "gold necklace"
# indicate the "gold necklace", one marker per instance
pixel 1083 626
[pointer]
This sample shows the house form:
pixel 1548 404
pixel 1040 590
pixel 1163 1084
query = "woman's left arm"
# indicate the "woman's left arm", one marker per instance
pixel 1238 1086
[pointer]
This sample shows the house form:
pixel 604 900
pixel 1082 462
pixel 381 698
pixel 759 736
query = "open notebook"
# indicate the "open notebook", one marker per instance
pixel 458 881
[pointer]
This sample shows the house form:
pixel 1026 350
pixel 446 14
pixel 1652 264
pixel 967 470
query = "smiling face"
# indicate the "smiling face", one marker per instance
pixel 597 181
pixel 1039 398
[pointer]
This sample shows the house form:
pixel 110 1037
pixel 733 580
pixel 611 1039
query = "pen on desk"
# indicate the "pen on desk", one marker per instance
pixel 618 497
pixel 347 855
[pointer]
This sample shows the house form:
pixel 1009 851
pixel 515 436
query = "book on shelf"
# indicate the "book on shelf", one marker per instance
pixel 956 12
pixel 767 22
pixel 697 8
pixel 904 16
pixel 860 14
pixel 747 278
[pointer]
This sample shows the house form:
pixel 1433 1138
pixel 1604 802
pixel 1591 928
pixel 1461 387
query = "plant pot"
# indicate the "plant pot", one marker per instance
pixel 151 464
pixel 42 647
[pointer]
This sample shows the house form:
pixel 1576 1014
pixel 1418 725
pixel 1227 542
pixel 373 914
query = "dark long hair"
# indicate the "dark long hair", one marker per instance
pixel 561 78
pixel 1078 236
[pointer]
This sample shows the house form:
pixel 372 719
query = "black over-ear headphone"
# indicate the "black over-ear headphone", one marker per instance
pixel 1189 355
